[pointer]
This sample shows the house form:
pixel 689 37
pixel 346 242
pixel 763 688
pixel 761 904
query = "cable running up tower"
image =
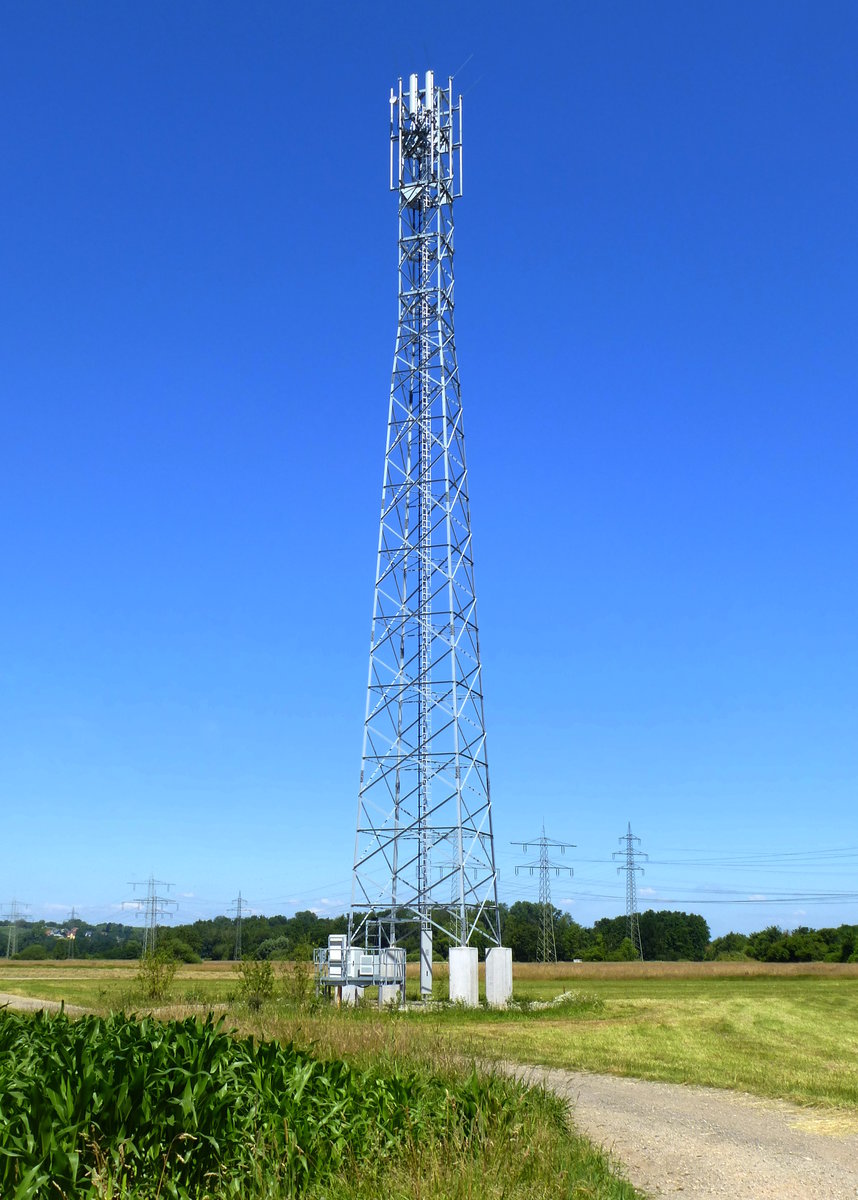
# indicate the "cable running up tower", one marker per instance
pixel 631 854
pixel 424 787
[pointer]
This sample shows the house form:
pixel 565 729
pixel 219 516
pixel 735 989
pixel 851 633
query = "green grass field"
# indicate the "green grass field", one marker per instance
pixel 485 1138
pixel 794 1038
pixel 787 1032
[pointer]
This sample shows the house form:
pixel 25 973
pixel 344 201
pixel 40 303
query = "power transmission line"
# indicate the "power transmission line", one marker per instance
pixel 631 853
pixel 153 907
pixel 546 945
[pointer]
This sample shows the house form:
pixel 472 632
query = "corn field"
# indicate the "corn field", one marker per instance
pixel 118 1106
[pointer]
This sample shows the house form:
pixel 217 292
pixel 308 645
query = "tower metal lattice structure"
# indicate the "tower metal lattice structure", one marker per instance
pixel 546 945
pixel 424 785
pixel 71 936
pixel 631 854
pixel 153 908
pixel 13 914
pixel 239 907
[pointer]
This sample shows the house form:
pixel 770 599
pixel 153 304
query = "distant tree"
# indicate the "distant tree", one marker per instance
pixel 731 945
pixel 766 944
pixel 625 952
pixel 805 945
pixel 174 941
pixel 669 936
pixel 521 930
pixel 32 952
pixel 597 951
pixel 840 943
pixel 573 939
pixel 612 931
pixel 272 947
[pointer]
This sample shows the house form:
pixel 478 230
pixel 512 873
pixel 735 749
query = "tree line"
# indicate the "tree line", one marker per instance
pixel 665 936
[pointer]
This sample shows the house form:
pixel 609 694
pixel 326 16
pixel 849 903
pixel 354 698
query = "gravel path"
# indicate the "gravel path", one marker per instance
pixel 30 1004
pixel 674 1140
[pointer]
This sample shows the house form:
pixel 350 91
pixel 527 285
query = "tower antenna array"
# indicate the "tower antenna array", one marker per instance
pixel 424 785
pixel 631 854
pixel 546 946
pixel 152 907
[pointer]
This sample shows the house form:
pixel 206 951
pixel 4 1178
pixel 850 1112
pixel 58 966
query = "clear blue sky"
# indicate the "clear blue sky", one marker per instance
pixel 657 293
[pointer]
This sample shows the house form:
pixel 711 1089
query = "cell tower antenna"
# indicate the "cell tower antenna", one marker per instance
pixel 13 912
pixel 631 854
pixel 424 779
pixel 546 945
pixel 239 907
pixel 153 907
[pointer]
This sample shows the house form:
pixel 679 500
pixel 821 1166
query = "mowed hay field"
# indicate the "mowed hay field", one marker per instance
pixel 788 1031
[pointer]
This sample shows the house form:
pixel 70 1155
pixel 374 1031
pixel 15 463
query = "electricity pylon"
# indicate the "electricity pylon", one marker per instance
pixel 546 946
pixel 631 854
pixel 72 933
pixel 153 907
pixel 238 907
pixel 424 778
pixel 13 913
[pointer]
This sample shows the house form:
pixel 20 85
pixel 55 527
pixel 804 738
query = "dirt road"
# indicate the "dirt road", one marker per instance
pixel 30 1004
pixel 675 1140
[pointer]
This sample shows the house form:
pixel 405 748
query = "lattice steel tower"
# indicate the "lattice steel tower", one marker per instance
pixel 239 907
pixel 13 914
pixel 546 944
pixel 631 854
pixel 424 788
pixel 153 908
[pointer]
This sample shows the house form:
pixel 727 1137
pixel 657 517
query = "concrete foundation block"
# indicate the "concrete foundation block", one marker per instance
pixel 426 962
pixel 351 993
pixel 389 993
pixel 498 977
pixel 464 976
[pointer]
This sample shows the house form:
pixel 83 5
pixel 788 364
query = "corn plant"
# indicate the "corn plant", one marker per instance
pixel 183 1109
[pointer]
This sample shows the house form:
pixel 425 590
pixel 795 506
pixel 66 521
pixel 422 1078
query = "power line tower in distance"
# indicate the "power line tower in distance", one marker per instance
pixel 152 907
pixel 72 933
pixel 13 912
pixel 546 946
pixel 239 907
pixel 631 853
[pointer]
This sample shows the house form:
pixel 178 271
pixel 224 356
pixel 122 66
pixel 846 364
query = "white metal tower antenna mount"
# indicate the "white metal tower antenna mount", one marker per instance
pixel 424 781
